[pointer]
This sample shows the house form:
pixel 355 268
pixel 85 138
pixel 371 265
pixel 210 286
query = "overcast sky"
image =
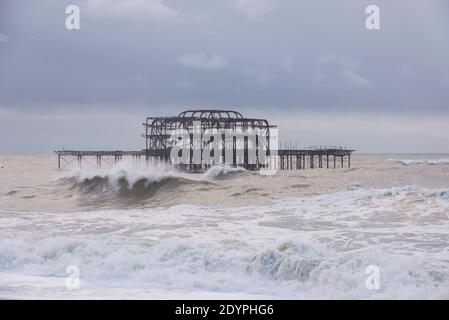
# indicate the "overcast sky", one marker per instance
pixel 311 67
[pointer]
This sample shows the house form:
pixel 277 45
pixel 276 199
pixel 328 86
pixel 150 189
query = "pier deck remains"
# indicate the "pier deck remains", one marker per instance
pixel 158 131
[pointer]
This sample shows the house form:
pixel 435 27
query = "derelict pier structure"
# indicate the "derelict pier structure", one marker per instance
pixel 231 139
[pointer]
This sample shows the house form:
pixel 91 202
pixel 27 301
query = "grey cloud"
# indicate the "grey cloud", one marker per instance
pixel 184 84
pixel 203 61
pixel 355 79
pixel 153 9
pixel 287 65
pixel 43 63
pixel 259 76
pixel 254 9
pixel 271 56
pixel 334 69
pixel 3 37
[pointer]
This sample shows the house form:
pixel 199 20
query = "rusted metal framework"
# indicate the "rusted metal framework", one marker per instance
pixel 314 157
pixel 159 132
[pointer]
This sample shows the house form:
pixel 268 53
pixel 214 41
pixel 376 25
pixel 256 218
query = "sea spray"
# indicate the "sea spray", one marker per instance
pixel 309 247
pixel 433 162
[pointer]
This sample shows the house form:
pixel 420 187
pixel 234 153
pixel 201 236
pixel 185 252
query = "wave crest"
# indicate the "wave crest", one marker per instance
pixel 432 162
pixel 220 171
pixel 287 262
pixel 125 185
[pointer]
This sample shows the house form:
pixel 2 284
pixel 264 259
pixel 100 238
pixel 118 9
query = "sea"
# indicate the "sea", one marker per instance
pixel 377 230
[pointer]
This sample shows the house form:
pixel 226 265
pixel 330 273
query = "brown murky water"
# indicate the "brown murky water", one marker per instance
pixel 155 233
pixel 32 183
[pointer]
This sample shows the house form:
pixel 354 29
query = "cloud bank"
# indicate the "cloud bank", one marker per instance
pixel 158 57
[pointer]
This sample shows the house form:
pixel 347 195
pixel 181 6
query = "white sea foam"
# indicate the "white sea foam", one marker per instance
pixel 125 171
pixel 310 247
pixel 428 161
pixel 223 170
pixel 126 184
pixel 130 174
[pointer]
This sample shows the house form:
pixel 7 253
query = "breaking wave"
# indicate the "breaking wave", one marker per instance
pixel 220 171
pixel 123 184
pixel 126 185
pixel 312 247
pixel 428 162
pixel 146 237
pixel 292 269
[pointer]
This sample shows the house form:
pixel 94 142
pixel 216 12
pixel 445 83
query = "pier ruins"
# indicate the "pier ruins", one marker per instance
pixel 195 140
